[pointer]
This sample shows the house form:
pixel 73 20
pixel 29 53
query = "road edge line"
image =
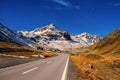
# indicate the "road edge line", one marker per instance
pixel 64 75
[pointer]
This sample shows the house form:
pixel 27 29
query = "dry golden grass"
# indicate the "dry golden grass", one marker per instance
pixel 10 45
pixel 96 67
pixel 48 54
pixel 30 54
pixel 18 50
pixel 100 61
pixel 1 56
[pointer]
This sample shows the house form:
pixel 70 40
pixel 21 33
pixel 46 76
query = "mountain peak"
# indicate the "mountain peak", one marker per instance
pixel 51 26
pixel 84 33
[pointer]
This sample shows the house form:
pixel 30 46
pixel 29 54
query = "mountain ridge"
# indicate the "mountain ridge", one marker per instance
pixel 50 36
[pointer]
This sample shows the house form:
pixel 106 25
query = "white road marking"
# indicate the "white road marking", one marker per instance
pixel 42 61
pixel 49 62
pixel 64 75
pixel 29 70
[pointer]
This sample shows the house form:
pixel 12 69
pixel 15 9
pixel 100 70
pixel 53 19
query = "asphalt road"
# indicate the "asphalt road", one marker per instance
pixel 7 62
pixel 54 68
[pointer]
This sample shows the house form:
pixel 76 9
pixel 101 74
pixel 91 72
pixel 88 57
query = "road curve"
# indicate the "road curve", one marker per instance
pixel 54 68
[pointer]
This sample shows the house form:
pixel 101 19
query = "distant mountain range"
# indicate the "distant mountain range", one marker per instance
pixel 48 37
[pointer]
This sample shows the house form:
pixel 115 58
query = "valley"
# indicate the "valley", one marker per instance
pixel 91 57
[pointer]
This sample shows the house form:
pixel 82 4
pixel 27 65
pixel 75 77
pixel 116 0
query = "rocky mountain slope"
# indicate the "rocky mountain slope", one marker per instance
pixel 49 37
pixel 9 35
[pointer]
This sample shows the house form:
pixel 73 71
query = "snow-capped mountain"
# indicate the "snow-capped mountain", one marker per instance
pixel 50 32
pixel 87 38
pixel 49 36
pixel 9 35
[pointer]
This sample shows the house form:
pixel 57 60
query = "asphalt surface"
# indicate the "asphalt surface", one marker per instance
pixel 7 62
pixel 54 68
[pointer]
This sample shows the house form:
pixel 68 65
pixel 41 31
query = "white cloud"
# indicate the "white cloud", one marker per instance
pixel 63 2
pixel 66 4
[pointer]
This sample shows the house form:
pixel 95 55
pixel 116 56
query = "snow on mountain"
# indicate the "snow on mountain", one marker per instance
pixel 40 31
pixel 11 36
pixel 87 38
pixel 49 36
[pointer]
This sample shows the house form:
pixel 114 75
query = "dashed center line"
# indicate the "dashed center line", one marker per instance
pixel 29 70
pixel 42 61
pixel 49 62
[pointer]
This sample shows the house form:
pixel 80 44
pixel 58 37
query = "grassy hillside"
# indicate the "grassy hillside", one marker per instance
pixel 109 45
pixel 100 61
pixel 8 49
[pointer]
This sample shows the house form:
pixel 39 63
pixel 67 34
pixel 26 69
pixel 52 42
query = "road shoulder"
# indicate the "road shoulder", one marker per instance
pixel 72 72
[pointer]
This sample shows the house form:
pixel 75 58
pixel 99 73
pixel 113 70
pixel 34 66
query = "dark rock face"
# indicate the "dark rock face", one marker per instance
pixel 54 36
pixel 67 36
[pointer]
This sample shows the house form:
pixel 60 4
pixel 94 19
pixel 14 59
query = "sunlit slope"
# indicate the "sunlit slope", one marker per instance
pixel 8 49
pixel 100 61
pixel 108 45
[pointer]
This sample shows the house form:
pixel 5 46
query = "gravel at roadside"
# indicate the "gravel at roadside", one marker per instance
pixel 72 72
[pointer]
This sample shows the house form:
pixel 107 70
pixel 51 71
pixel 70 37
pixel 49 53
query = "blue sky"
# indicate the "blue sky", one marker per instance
pixel 99 17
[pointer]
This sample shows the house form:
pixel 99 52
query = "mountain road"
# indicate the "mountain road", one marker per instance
pixel 54 68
